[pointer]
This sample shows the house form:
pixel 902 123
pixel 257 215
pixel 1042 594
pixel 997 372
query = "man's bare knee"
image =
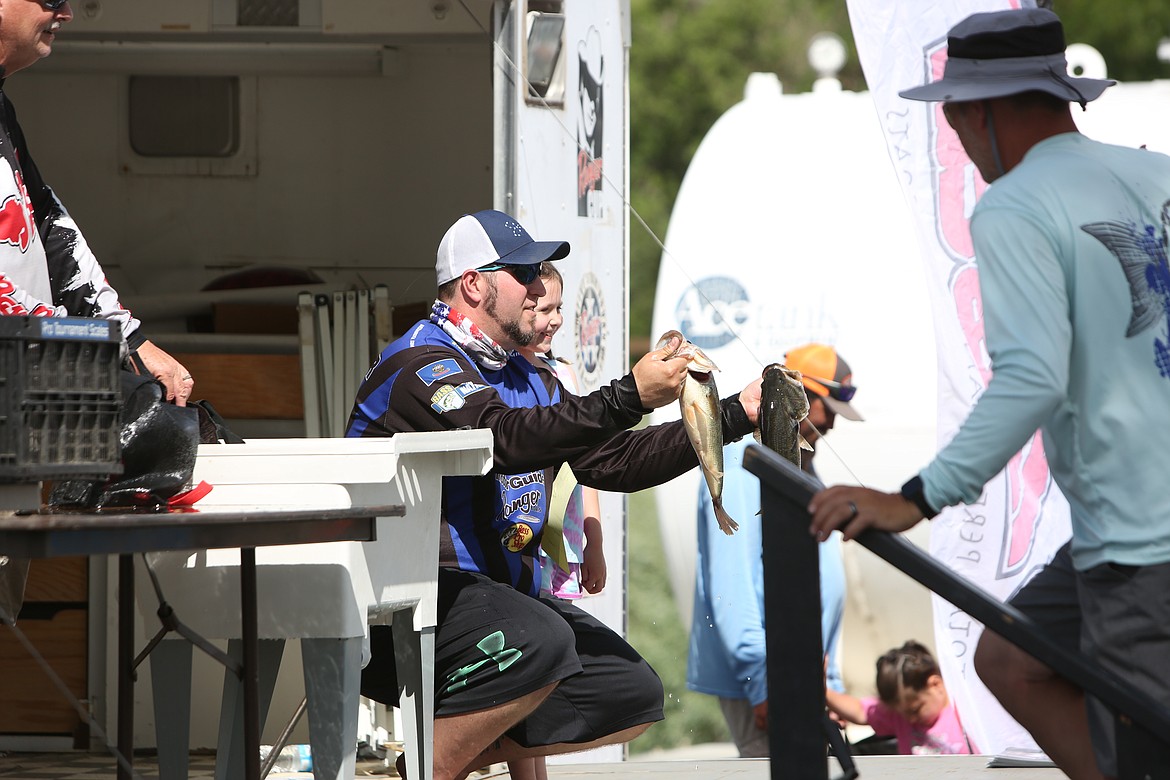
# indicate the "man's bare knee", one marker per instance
pixel 998 661
pixel 989 656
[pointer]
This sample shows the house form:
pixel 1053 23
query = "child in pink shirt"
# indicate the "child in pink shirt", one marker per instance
pixel 912 705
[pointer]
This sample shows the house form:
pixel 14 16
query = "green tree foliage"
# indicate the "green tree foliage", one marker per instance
pixel 690 60
pixel 1126 33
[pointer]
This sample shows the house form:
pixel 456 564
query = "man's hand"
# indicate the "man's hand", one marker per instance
pixel 660 377
pixel 169 371
pixel 749 399
pixel 853 509
pixel 760 715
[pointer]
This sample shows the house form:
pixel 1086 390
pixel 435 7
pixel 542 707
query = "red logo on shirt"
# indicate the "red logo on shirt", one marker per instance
pixel 16 219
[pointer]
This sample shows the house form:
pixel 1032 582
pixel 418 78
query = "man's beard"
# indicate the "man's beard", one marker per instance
pixel 512 328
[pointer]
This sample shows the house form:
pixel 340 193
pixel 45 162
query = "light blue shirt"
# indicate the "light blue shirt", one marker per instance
pixel 1070 244
pixel 727 656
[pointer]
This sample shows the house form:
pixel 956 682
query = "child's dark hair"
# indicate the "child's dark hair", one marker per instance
pixel 909 666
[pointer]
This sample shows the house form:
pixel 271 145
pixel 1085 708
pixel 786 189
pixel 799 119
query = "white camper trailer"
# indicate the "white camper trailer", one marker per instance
pixel 224 156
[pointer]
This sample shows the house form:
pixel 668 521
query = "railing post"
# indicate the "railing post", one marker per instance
pixel 792 625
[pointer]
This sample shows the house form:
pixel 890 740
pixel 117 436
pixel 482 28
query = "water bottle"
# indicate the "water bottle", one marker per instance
pixel 292 758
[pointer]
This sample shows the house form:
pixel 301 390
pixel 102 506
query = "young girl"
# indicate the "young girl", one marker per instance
pixel 571 556
pixel 582 563
pixel 913 704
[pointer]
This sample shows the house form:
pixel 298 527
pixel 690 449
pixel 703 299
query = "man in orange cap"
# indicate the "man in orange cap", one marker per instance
pixel 828 380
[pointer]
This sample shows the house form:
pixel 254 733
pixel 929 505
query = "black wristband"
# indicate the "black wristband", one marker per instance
pixel 734 419
pixel 914 492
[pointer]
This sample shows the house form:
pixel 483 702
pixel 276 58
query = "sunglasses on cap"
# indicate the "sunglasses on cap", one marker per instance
pixel 843 393
pixel 525 274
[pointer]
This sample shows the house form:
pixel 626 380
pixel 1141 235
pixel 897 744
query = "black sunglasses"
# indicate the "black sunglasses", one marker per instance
pixel 843 393
pixel 525 274
pixel 54 5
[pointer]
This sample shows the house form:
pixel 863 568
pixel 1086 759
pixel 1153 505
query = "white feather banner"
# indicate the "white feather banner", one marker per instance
pixel 1021 518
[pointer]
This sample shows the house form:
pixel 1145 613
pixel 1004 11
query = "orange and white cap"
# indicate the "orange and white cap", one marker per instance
pixel 825 374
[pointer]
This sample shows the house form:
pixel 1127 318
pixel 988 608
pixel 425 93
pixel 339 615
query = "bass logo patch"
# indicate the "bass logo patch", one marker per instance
pixel 446 399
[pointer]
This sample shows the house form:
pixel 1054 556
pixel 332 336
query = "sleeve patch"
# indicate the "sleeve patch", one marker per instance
pixel 448 398
pixel 433 372
pixel 467 388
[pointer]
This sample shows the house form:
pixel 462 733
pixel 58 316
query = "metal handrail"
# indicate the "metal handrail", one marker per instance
pixel 1143 724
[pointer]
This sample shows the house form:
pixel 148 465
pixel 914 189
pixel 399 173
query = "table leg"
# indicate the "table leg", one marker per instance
pixel 414 653
pixel 250 672
pixel 126 665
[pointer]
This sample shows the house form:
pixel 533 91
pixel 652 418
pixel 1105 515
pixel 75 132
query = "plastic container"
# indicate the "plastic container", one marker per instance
pixel 292 758
pixel 60 398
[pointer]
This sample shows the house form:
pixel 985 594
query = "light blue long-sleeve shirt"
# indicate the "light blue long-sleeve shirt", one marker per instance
pixel 1071 245
pixel 727 656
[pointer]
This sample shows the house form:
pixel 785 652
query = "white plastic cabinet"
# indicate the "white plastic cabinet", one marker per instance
pixel 322 594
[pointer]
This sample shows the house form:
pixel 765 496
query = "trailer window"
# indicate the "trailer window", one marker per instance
pixel 268 13
pixel 184 116
pixel 188 126
pixel 544 61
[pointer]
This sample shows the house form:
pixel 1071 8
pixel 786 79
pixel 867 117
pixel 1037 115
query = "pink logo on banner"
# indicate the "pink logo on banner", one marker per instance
pixel 958 186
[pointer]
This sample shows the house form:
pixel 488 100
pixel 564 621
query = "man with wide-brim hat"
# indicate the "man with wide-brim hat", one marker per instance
pixel 1071 243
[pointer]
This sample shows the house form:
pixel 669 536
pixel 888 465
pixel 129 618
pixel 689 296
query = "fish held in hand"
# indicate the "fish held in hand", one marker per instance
pixel 783 404
pixel 703 419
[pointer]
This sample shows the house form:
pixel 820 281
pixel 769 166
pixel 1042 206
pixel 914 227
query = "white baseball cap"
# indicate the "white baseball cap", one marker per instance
pixel 490 237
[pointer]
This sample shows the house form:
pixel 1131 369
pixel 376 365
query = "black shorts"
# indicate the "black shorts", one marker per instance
pixel 495 644
pixel 1117 616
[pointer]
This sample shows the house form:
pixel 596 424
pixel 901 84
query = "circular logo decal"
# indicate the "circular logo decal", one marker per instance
pixel 517 537
pixel 710 311
pixel 591 332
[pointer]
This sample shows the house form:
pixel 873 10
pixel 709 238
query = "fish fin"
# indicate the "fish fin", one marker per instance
pixel 690 417
pixel 715 473
pixel 804 445
pixel 726 524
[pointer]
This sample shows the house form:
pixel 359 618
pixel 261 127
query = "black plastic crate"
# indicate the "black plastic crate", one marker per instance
pixel 60 398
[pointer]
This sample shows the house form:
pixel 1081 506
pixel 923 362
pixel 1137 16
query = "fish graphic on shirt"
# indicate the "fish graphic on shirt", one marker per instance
pixel 1142 252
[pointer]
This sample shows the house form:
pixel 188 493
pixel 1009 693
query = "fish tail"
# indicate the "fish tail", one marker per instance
pixel 726 524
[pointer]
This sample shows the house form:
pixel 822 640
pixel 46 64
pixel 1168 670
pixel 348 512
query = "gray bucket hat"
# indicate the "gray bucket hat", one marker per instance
pixel 1001 53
